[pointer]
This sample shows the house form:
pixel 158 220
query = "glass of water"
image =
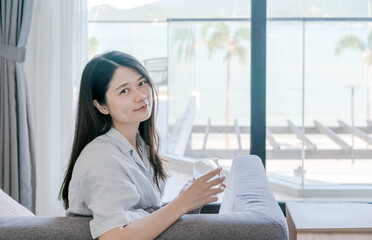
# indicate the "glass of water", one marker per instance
pixel 204 166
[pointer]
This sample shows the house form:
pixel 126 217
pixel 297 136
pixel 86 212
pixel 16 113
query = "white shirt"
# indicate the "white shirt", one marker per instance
pixel 111 183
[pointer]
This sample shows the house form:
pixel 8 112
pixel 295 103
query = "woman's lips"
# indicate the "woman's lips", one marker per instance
pixel 142 108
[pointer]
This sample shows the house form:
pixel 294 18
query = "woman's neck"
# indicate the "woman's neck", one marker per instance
pixel 129 133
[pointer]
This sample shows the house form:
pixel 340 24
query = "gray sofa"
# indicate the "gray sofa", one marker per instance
pixel 248 211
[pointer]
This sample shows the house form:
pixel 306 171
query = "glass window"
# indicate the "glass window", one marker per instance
pixel 318 83
pixel 209 90
pixel 319 8
pixel 209 87
pixel 161 10
pixel 201 68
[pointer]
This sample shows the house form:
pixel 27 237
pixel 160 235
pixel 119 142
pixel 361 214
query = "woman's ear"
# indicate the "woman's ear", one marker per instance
pixel 102 109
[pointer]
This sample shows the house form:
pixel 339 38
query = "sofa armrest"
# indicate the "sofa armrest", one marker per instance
pixel 248 210
pixel 242 225
pixel 248 188
pixel 33 228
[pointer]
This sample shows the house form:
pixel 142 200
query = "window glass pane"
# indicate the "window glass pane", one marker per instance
pixel 319 8
pixel 201 69
pixel 142 40
pixel 318 74
pixel 140 10
pixel 209 89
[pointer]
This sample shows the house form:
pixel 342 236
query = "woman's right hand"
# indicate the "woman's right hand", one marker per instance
pixel 194 194
pixel 201 191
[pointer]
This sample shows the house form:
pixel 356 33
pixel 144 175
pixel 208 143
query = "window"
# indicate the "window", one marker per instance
pixel 200 62
pixel 317 82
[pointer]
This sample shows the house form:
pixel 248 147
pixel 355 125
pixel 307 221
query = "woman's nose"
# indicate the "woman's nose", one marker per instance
pixel 140 96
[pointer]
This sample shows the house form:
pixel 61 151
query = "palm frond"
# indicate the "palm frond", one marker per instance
pixel 185 38
pixel 205 28
pixel 241 52
pixel 349 42
pixel 219 39
pixel 93 46
pixel 215 36
pixel 368 57
pixel 243 34
pixel 369 41
pixel 218 36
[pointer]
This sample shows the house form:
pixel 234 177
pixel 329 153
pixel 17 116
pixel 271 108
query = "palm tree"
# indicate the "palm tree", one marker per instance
pixel 355 43
pixel 184 40
pixel 218 36
pixel 184 37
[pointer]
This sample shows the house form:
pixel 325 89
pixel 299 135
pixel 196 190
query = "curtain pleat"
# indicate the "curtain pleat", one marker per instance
pixel 17 177
pixel 2 111
pixel 14 174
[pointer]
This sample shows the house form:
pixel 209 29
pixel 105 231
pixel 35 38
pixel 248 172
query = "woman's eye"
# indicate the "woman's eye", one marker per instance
pixel 143 82
pixel 124 90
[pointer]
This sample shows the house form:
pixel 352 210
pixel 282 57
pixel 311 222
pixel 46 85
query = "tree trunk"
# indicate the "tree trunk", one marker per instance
pixel 228 101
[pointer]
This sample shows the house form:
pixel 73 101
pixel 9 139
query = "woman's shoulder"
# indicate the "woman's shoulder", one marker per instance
pixel 100 153
pixel 99 143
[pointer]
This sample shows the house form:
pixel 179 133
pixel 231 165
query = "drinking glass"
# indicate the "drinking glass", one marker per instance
pixel 205 165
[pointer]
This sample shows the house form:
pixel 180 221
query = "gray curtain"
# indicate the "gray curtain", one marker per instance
pixel 17 166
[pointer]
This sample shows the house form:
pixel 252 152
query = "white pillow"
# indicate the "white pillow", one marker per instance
pixel 9 207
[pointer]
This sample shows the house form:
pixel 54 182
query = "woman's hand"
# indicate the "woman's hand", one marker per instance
pixel 194 194
pixel 201 191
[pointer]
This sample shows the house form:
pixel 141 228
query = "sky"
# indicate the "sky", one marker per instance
pixel 120 4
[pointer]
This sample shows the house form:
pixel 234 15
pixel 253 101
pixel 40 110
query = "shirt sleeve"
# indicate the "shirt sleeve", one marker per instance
pixel 111 196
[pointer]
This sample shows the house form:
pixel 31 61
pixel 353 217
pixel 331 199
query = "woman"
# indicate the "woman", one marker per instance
pixel 115 172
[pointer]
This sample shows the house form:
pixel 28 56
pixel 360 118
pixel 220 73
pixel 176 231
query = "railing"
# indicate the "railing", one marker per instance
pixel 312 151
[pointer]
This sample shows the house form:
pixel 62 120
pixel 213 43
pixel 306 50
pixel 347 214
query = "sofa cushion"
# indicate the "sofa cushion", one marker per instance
pixel 9 207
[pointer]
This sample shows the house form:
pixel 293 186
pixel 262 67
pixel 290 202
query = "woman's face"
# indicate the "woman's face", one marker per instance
pixel 128 98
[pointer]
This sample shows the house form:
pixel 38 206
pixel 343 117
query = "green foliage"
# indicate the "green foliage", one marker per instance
pixel 93 46
pixel 353 42
pixel 185 38
pixel 218 35
pixel 369 41
pixel 349 42
pixel 215 36
pixel 243 34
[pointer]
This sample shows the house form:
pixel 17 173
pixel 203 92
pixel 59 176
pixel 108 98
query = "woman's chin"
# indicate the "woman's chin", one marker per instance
pixel 145 117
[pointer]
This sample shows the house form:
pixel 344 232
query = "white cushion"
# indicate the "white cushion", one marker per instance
pixel 9 207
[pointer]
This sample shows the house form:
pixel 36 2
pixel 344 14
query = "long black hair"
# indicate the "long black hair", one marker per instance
pixel 91 123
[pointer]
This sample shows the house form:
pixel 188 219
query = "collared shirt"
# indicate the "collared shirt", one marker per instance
pixel 112 183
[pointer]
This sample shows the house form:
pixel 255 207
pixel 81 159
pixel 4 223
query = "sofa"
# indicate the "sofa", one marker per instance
pixel 248 211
